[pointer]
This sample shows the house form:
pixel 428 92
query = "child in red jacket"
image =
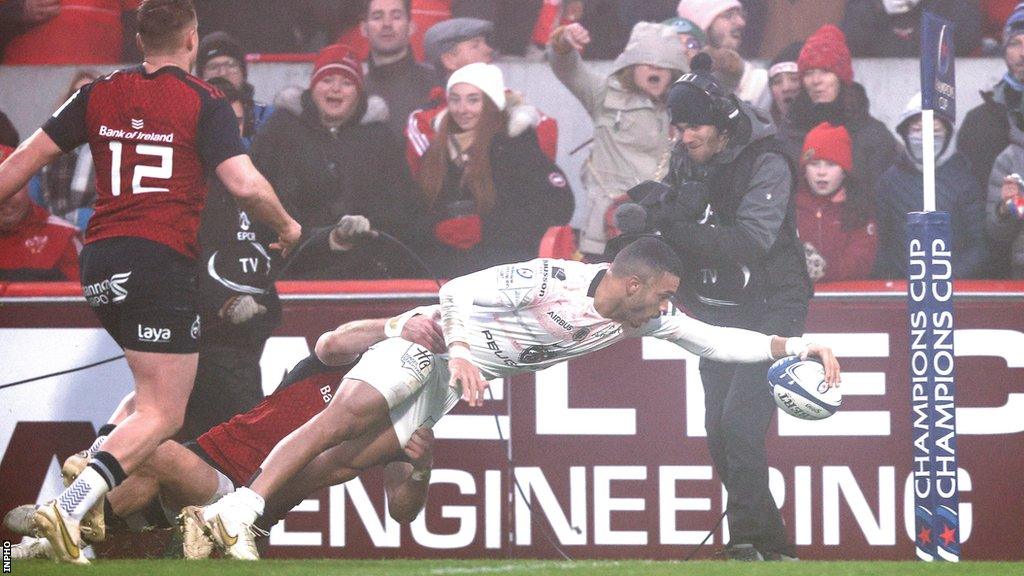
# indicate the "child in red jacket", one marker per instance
pixel 833 214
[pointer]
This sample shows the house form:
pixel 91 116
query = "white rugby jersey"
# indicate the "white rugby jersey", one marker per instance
pixel 528 316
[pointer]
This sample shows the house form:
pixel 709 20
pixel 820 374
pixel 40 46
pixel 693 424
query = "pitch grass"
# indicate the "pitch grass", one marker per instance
pixel 513 568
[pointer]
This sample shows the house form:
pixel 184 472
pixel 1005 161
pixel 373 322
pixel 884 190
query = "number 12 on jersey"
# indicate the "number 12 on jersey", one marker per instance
pixel 162 172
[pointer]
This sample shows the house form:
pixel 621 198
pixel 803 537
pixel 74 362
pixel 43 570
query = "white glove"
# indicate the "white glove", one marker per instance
pixel 239 309
pixel 347 230
pixel 895 7
pixel 815 262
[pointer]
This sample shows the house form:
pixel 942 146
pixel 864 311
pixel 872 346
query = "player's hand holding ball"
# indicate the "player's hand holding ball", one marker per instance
pixel 796 346
pixel 799 388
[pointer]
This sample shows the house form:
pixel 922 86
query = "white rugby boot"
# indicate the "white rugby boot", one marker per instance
pixel 234 535
pixel 229 523
pixel 62 532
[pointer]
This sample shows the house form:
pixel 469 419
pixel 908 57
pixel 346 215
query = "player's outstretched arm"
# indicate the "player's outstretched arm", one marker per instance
pixel 726 344
pixel 34 153
pixel 256 196
pixel 406 483
pixel 342 345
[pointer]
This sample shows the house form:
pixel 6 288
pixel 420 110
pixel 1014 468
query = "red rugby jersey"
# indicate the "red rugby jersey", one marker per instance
pixel 239 446
pixel 154 137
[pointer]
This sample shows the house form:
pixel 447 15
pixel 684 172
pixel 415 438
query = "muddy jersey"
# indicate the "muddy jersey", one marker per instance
pixel 528 316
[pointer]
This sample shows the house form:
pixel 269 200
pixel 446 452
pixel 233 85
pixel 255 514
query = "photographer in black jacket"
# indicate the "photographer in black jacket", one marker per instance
pixel 727 208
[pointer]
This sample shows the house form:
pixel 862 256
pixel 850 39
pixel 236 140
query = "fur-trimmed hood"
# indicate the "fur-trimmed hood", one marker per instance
pixel 297 100
pixel 521 115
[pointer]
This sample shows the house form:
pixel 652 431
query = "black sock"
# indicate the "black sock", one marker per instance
pixel 108 467
pixel 106 429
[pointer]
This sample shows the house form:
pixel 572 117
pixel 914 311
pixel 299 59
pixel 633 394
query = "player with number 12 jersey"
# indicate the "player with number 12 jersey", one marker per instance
pixel 152 137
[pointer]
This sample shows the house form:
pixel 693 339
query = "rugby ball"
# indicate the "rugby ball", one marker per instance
pixel 798 387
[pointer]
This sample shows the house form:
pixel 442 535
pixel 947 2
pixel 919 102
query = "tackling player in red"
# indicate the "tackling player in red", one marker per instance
pixel 201 471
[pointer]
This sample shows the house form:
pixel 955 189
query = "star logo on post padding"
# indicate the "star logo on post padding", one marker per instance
pixel 948 535
pixel 925 536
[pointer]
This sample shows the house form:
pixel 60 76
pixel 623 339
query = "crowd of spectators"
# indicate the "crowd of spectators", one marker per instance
pixel 405 126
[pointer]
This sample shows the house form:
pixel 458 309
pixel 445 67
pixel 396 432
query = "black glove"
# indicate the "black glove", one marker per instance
pixel 690 201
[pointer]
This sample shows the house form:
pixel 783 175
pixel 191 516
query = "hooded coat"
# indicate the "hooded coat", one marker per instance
pixel 1005 231
pixel 321 175
pixel 900 190
pixel 631 131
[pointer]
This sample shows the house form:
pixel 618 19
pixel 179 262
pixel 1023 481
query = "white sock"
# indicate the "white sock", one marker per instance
pixel 83 493
pixel 96 445
pixel 251 499
pixel 242 501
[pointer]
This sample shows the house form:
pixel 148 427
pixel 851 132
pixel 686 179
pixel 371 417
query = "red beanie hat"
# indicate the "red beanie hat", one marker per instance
pixel 828 142
pixel 826 49
pixel 337 59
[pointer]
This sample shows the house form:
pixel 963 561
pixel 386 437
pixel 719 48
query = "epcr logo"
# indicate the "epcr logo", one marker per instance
pixel 243 220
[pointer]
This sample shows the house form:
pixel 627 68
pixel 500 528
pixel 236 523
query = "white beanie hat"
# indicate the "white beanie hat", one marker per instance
pixel 703 12
pixel 486 77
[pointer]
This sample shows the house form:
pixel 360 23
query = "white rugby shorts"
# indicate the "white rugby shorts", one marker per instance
pixel 413 381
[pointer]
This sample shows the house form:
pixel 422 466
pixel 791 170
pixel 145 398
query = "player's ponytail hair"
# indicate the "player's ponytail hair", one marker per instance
pixel 161 23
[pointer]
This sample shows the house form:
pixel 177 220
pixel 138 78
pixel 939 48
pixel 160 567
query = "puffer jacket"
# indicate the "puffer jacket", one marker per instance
pixel 631 132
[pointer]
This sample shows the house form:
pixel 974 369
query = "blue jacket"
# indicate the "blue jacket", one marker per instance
pixel 900 190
